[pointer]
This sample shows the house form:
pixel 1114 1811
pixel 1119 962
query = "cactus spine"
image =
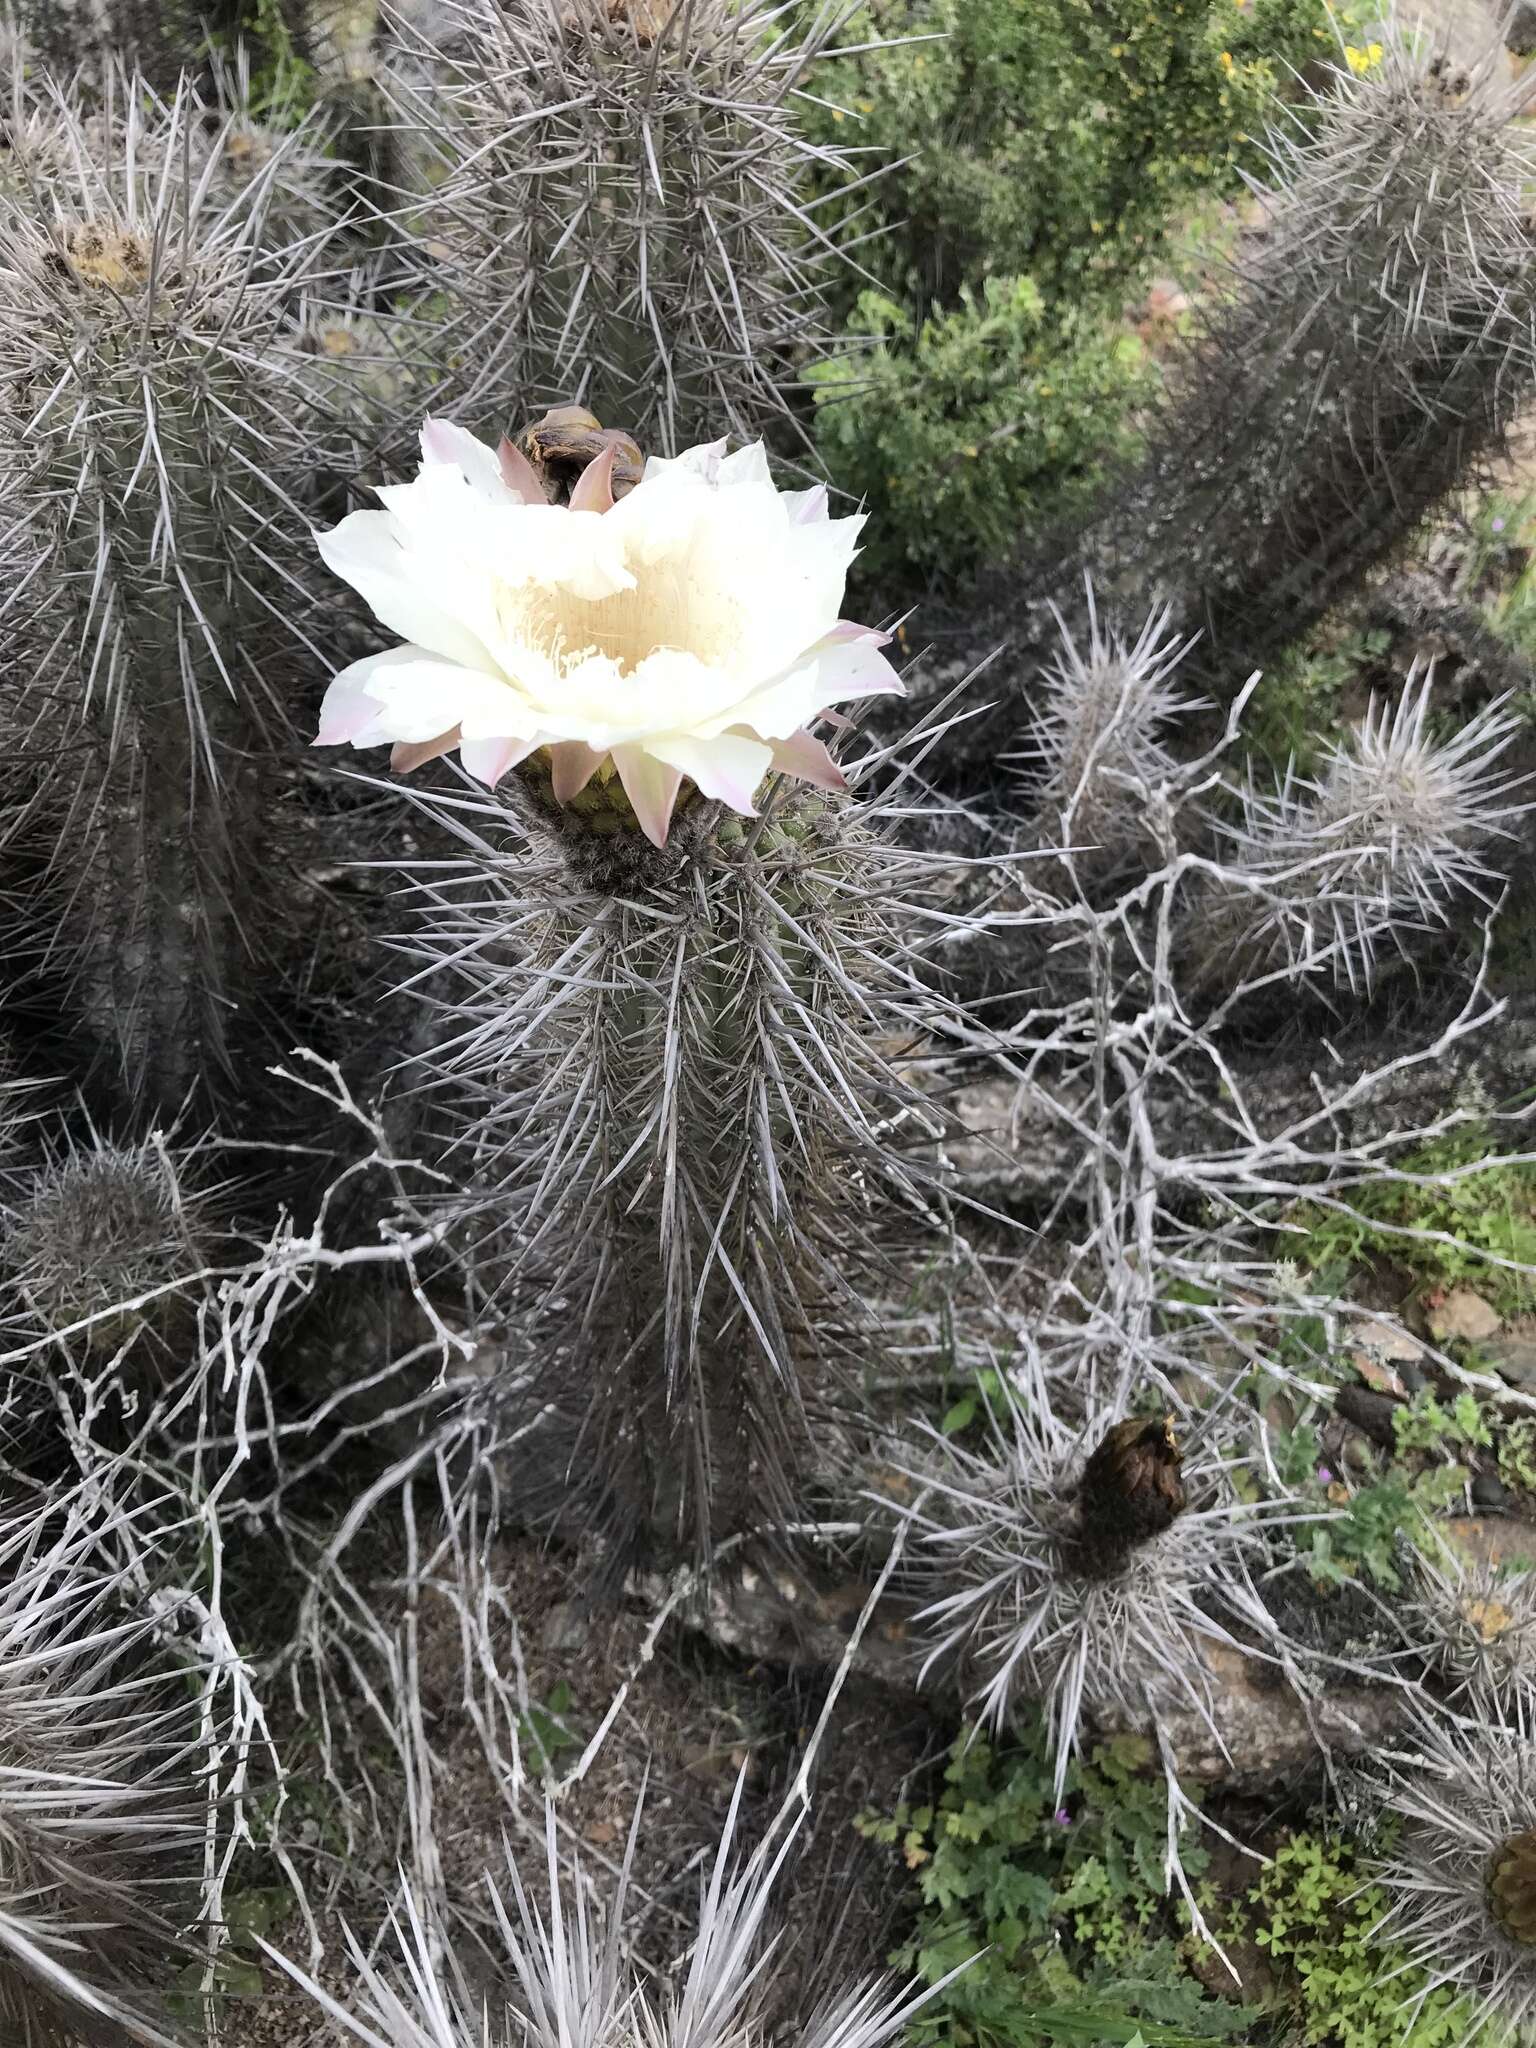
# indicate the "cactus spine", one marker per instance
pixel 1374 344
pixel 154 445
pixel 624 212
pixel 679 1116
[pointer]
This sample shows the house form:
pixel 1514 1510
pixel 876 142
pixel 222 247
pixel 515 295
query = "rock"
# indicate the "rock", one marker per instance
pixel 1266 1731
pixel 1258 1731
pixel 1493 1543
pixel 565 1627
pixel 1489 1492
pixel 1515 1358
pixel 1381 1377
pixel 1387 1358
pixel 1463 1313
pixel 1005 1158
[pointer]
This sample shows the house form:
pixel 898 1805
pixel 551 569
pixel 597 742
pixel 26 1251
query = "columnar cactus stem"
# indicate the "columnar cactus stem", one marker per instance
pixel 622 212
pixel 680 1125
pixel 156 441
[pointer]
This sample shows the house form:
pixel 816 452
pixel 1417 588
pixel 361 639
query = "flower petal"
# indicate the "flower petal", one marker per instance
pixel 850 629
pixel 366 551
pixel 519 474
pixel 730 767
pixel 419 698
pixel 573 767
pixel 702 462
pixel 593 489
pixel 857 668
pixel 807 508
pixel 445 445
pixel 806 758
pixel 367 686
pixel 348 712
pixel 405 755
pixel 651 787
pixel 489 760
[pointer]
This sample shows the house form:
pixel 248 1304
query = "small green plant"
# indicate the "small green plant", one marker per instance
pixel 1517 1453
pixel 544 1733
pixel 1300 700
pixel 1467 1205
pixel 1362 1540
pixel 1314 1918
pixel 1424 1425
pixel 236 1971
pixel 1062 1906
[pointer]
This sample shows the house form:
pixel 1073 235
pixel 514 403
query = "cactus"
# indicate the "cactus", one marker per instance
pixel 621 214
pixel 156 438
pixel 571 1984
pixel 102 1812
pixel 1375 343
pixel 104 1243
pixel 679 1112
pixel 1474 1623
pixel 1079 1569
pixel 1098 756
pixel 160 37
pixel 679 1121
pixel 1391 838
pixel 1460 1875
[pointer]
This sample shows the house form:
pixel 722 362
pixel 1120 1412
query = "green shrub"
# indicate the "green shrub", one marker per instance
pixel 1054 147
pixel 1055 140
pixel 951 425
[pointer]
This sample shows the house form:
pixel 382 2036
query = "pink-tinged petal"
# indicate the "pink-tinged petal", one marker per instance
pixel 345 715
pixel 848 630
pixel 356 711
pixel 729 767
pixel 593 490
pixel 408 754
pixel 651 787
pixel 807 508
pixel 856 668
pixel 519 475
pixel 808 761
pixel 837 721
pixel 447 446
pixel 489 760
pixel 574 766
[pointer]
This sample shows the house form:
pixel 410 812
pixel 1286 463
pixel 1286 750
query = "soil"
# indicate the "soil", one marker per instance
pixel 695 1722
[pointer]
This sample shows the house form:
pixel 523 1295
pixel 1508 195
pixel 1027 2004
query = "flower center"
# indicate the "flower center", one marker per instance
pixel 669 607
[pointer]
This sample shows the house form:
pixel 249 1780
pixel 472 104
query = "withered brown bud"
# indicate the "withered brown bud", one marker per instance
pixel 1512 1887
pixel 1132 1487
pixel 565 441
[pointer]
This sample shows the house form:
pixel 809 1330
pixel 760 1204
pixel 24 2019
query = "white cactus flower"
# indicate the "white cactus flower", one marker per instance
pixel 689 629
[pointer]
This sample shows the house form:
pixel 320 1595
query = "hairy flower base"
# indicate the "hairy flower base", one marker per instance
pixel 684 633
